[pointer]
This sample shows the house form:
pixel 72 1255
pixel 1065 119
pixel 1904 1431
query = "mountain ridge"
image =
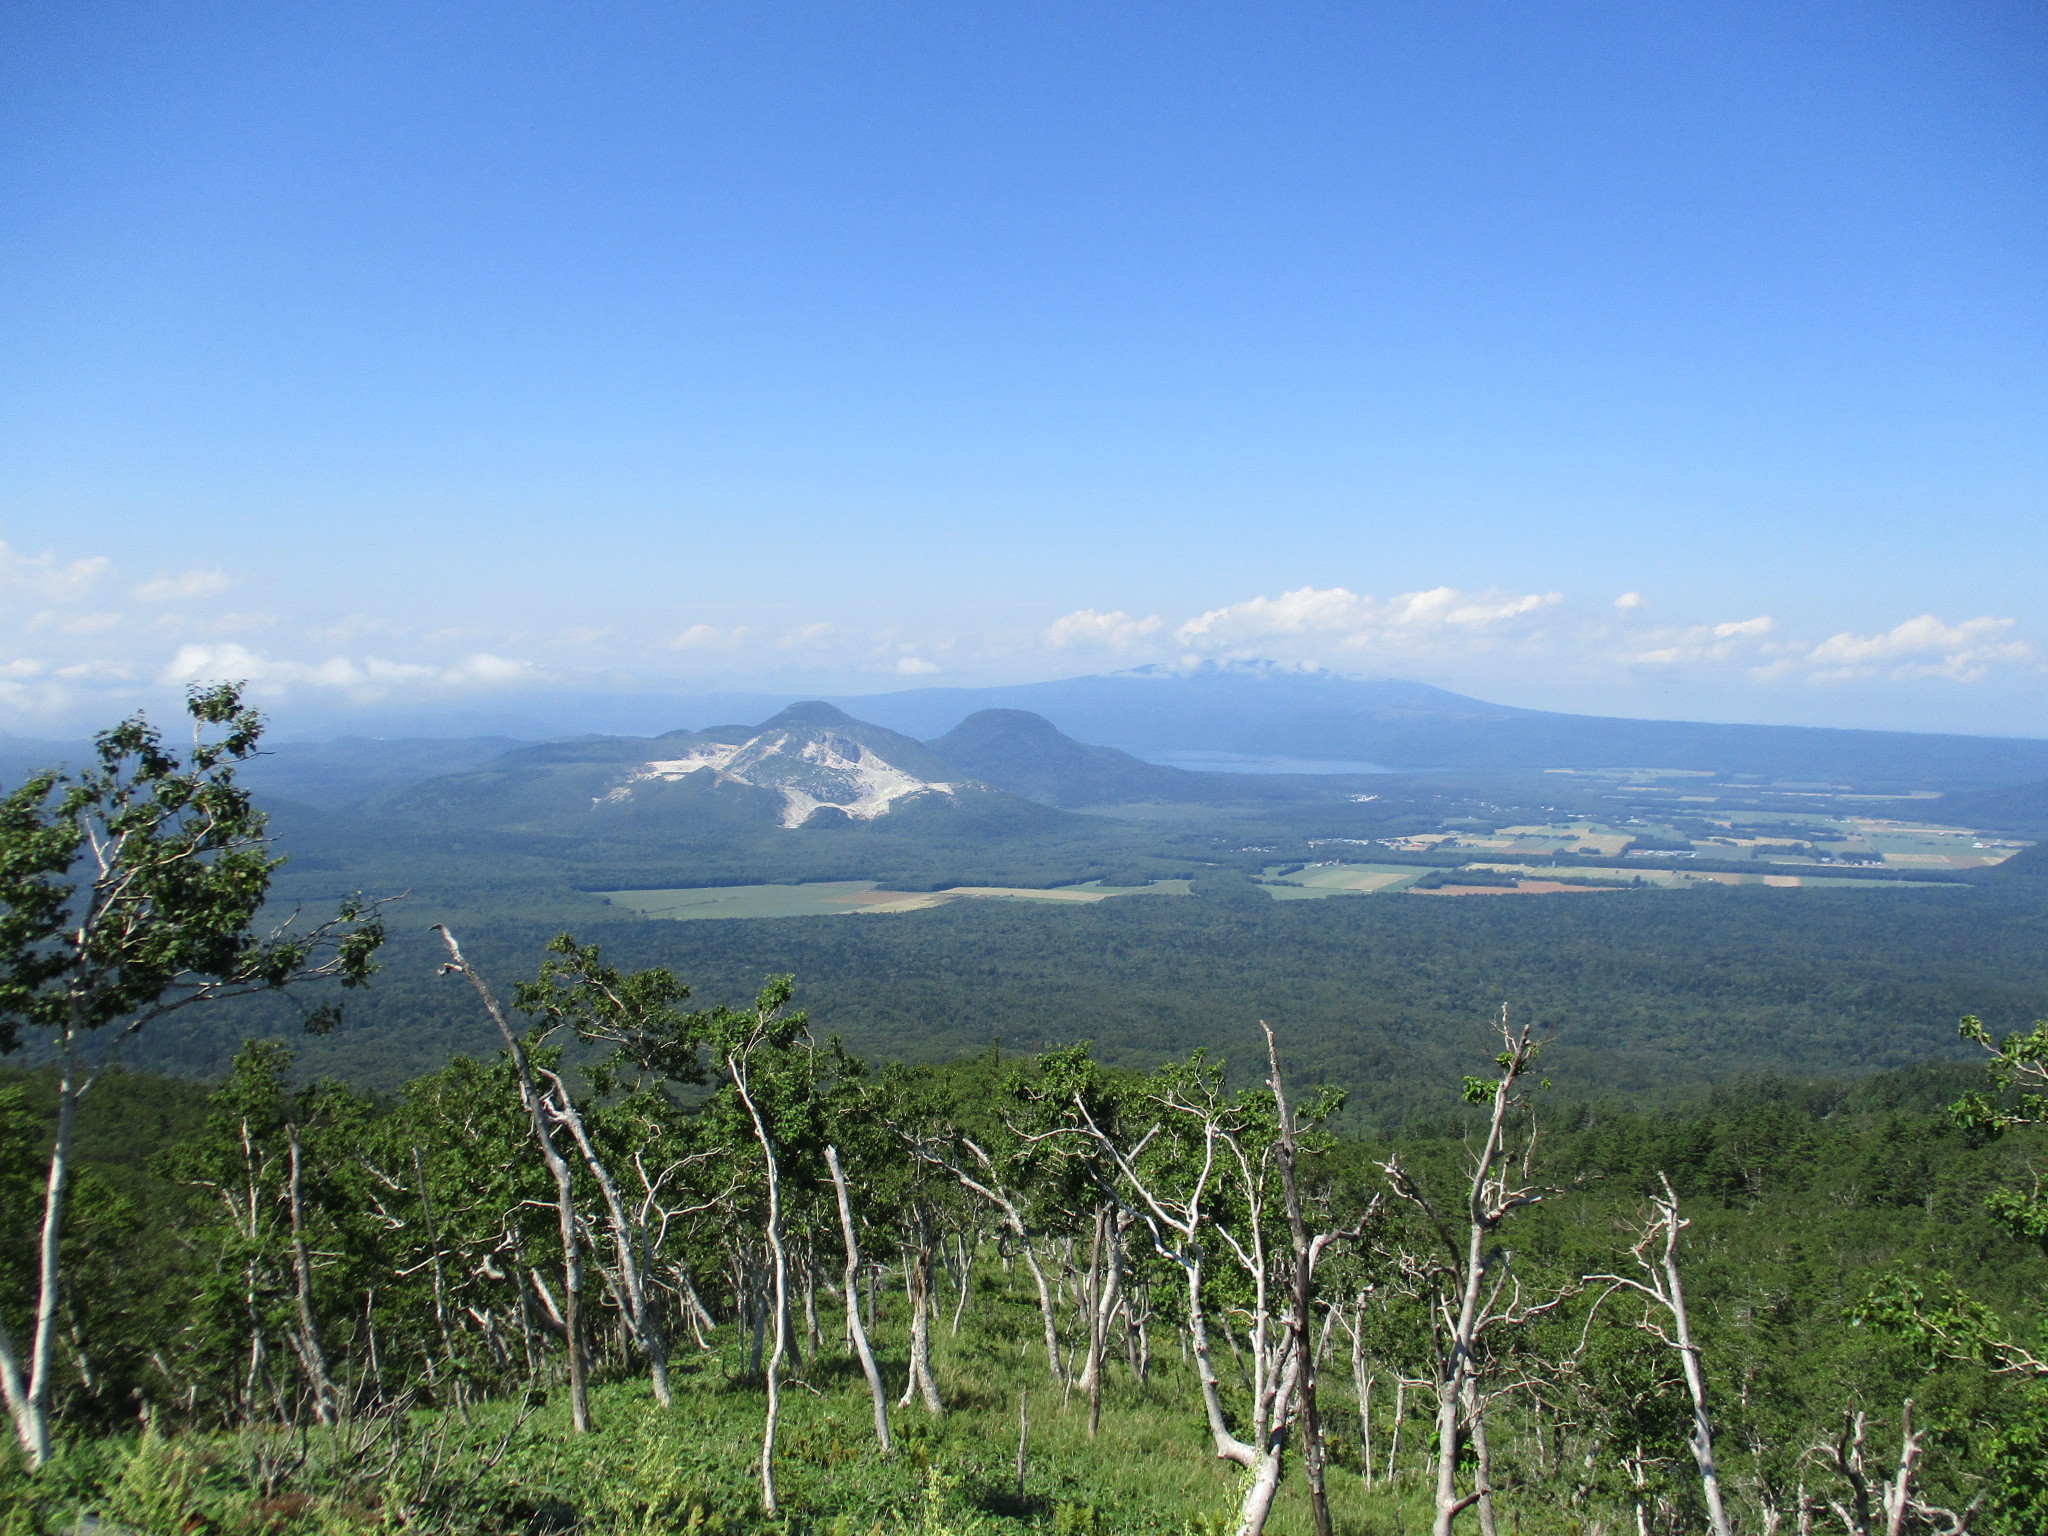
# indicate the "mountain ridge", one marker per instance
pixel 1238 709
pixel 811 764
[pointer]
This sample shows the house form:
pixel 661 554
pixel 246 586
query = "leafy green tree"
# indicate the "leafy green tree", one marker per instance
pixel 1944 1320
pixel 129 891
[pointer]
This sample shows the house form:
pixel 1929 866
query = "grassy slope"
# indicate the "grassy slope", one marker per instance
pixel 1799 1194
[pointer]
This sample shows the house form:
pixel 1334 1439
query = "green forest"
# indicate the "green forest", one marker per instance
pixel 1205 1215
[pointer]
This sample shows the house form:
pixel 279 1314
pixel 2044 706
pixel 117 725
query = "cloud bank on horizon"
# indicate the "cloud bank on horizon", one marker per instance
pixel 85 639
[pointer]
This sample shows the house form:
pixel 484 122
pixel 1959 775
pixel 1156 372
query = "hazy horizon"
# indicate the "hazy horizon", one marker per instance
pixel 538 713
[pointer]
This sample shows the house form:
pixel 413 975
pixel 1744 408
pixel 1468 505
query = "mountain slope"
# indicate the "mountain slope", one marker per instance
pixel 2019 808
pixel 810 766
pixel 1028 755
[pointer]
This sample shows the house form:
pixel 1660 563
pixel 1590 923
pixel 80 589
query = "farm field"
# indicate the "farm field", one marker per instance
pixel 1339 879
pixel 1682 879
pixel 1764 836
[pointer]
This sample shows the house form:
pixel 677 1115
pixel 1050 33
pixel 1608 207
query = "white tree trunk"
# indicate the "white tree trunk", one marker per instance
pixel 29 1401
pixel 1701 1440
pixel 917 1275
pixel 565 1190
pixel 642 1321
pixel 780 1259
pixel 1270 1459
pixel 854 1331
pixel 311 1355
pixel 1228 1446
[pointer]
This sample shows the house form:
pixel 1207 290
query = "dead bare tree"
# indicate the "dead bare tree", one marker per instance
pixel 854 1330
pixel 627 1273
pixel 1172 1177
pixel 1302 1311
pixel 981 1174
pixel 918 1277
pixel 755 1056
pixel 1472 1285
pixel 1656 1255
pixel 539 1121
pixel 1877 1504
pixel 307 1342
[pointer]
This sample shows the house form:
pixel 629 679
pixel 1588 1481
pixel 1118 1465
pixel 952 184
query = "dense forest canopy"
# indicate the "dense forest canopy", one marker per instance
pixel 1655 996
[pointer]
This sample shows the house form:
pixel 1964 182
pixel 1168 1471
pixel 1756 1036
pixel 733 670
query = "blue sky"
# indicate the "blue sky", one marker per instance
pixel 1649 359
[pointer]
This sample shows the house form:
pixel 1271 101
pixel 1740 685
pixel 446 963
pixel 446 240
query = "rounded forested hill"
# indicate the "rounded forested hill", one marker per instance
pixel 1649 994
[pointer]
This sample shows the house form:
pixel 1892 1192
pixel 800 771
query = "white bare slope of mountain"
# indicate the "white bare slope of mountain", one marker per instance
pixel 818 767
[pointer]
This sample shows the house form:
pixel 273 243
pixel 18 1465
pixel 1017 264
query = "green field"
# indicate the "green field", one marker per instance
pixel 840 898
pixel 1317 880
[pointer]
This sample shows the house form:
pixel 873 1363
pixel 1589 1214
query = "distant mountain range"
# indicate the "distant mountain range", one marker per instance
pixel 1248 709
pixel 1271 711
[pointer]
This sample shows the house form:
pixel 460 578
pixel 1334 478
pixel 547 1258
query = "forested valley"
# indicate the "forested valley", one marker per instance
pixel 646 1260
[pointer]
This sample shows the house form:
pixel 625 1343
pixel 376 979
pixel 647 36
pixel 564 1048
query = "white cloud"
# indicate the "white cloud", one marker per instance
pixel 95 671
pixel 371 677
pixel 1410 621
pixel 493 671
pixel 805 634
pixel 74 623
pixel 186 586
pixel 916 666
pixel 1701 642
pixel 1116 630
pixel 43 574
pixel 1921 647
pixel 220 624
pixel 707 636
pixel 1629 602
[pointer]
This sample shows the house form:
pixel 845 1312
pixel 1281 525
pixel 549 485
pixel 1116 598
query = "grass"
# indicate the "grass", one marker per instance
pixel 510 1468
pixel 691 1467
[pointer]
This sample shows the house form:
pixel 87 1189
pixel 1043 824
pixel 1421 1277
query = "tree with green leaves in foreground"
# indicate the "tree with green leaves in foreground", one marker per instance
pixel 129 890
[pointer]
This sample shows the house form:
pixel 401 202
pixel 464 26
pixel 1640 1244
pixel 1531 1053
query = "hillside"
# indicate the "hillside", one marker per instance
pixel 2017 808
pixel 1028 755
